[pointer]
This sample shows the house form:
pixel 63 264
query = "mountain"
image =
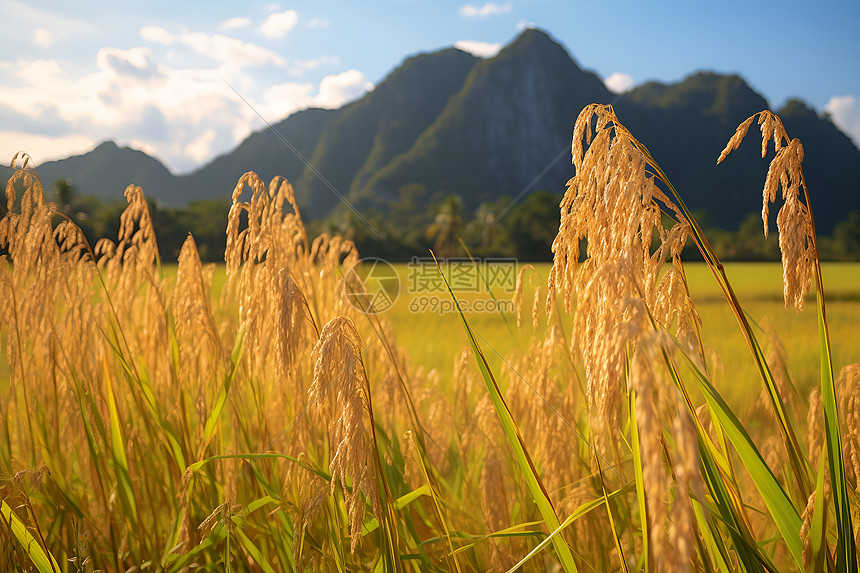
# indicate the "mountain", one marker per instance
pixel 374 129
pixel 685 127
pixel 108 169
pixel 499 134
pixel 832 169
pixel 446 123
pixel 263 152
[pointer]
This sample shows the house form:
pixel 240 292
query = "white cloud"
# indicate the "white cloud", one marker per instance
pixel 617 82
pixel 230 51
pixel 845 112
pixel 488 9
pixel 278 24
pixel 130 98
pixel 314 63
pixel 318 23
pixel 337 90
pixel 26 15
pixel 183 114
pixel 43 38
pixel 200 148
pixel 37 71
pixel 283 99
pixel 136 62
pixel 156 34
pixel 42 148
pixel 238 22
pixel 525 25
pixel 480 49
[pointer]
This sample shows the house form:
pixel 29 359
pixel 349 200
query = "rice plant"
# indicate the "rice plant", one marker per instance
pixel 151 423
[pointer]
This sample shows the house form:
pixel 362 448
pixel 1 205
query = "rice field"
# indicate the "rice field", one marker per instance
pixel 615 411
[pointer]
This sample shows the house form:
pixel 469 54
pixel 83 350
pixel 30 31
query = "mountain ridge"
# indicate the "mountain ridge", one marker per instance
pixel 446 122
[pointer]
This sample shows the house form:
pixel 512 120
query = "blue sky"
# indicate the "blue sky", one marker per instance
pixel 155 75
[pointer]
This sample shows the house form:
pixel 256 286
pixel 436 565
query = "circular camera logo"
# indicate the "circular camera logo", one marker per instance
pixel 372 285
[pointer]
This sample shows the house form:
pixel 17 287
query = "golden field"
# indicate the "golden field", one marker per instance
pixel 643 415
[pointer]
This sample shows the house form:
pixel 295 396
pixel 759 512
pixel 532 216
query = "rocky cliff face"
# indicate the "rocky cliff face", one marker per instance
pixel 504 131
pixel 368 133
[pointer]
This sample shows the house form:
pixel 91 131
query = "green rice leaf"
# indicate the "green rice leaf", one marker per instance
pixel 41 559
pixel 640 480
pixel 126 491
pixel 779 505
pixel 579 512
pixel 846 551
pixel 515 441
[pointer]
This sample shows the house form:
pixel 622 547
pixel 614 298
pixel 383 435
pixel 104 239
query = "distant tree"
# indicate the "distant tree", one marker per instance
pixel 846 238
pixel 446 227
pixel 533 225
pixel 80 209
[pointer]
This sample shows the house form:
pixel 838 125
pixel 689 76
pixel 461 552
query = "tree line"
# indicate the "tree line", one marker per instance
pixel 417 221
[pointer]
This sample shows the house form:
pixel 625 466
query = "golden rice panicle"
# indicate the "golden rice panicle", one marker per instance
pixel 736 139
pixel 794 221
pixel 333 256
pixel 518 290
pixel 271 232
pixel 518 296
pixel 643 381
pixel 672 523
pixel 135 227
pixel 614 203
pixel 848 390
pixel 200 346
pixel 266 262
pixel 814 426
pixel 236 250
pixel 312 493
pixel 496 507
pixel 26 234
pixel 340 384
pixel 673 306
pixel 683 528
pixel 806 528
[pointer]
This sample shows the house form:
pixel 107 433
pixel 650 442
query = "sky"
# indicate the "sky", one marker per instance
pixel 188 81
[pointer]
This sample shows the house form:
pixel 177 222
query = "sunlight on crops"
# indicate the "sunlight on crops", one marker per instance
pixel 614 411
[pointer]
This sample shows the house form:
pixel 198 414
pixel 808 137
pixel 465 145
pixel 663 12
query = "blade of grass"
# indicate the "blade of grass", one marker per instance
pixel 489 290
pixel 515 440
pixel 617 541
pixel 714 543
pixel 781 509
pixel 372 524
pixel 244 540
pixel 218 407
pixel 38 555
pixel 742 542
pixel 518 530
pixel 817 532
pixel 426 470
pixel 126 491
pixel 846 551
pixel 639 479
pixel 579 512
